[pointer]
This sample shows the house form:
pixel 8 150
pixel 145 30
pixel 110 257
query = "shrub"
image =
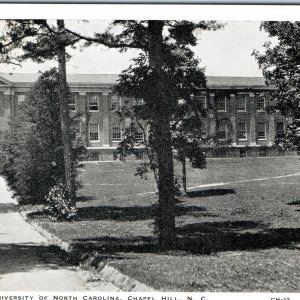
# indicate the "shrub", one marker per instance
pixel 32 148
pixel 59 206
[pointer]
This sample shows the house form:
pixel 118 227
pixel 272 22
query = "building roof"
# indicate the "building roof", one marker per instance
pixel 111 79
pixel 72 78
pixel 235 81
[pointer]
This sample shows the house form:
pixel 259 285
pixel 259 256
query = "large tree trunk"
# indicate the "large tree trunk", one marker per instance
pixel 65 121
pixel 162 139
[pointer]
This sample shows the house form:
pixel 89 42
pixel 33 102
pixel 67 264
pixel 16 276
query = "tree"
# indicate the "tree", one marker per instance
pixel 188 136
pixel 157 40
pixel 41 41
pixel 162 103
pixel 184 78
pixel 33 148
pixel 280 64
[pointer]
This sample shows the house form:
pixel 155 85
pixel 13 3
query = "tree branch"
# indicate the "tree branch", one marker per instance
pixel 105 39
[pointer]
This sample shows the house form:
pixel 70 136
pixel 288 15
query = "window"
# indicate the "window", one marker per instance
pixel 220 152
pixel 76 129
pixel 115 103
pixel 140 155
pixel 221 104
pixel 94 156
pixel 94 132
pixel 116 132
pixel 21 98
pixel 72 101
pixel 279 129
pixel 139 134
pixel 260 103
pixel 261 131
pixel 222 132
pixel 202 100
pixel 243 152
pixel 242 102
pixel 242 134
pixel 262 152
pixel 93 103
pixel 139 102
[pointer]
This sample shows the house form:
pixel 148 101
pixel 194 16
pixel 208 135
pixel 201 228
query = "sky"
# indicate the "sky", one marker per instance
pixel 225 52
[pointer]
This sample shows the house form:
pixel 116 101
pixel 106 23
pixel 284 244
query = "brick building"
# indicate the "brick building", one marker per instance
pixel 233 112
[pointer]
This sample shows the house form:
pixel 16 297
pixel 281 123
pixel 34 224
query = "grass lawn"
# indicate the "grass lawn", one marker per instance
pixel 241 236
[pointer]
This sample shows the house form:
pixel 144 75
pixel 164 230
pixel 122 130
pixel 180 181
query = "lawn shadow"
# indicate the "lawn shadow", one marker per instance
pixel 135 213
pixel 209 193
pixel 297 202
pixel 83 198
pixel 199 238
pixel 210 237
pixel 27 257
pixel 110 246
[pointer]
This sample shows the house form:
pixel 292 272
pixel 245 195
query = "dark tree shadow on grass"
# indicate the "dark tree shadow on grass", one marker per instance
pixel 297 202
pixel 199 238
pixel 128 213
pixel 83 198
pixel 231 236
pixel 196 238
pixel 135 213
pixel 209 193
pixel 108 245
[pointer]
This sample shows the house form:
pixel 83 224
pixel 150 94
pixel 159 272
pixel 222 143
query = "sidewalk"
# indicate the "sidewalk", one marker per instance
pixel 29 263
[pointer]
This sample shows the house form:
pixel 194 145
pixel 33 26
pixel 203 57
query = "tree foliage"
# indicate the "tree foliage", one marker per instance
pixel 164 72
pixel 184 79
pixel 32 147
pixel 280 64
pixel 40 40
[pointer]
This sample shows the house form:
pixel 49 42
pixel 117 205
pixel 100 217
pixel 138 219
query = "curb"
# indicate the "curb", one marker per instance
pixel 124 282
pixel 53 239
pixel 104 270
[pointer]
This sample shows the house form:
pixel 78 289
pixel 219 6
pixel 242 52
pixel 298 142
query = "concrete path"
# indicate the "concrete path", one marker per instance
pixel 29 263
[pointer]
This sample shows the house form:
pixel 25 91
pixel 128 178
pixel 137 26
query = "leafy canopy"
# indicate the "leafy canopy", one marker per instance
pixel 280 64
pixel 32 147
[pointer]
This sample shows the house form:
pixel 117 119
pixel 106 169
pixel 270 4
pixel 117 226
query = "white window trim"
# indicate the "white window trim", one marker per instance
pixel 226 134
pixel 90 133
pixel 75 106
pixel 97 156
pixel 205 101
pixel 121 135
pixel 142 132
pixel 264 106
pixel 245 101
pixel 225 110
pixel 94 110
pixel 265 138
pixel 242 139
